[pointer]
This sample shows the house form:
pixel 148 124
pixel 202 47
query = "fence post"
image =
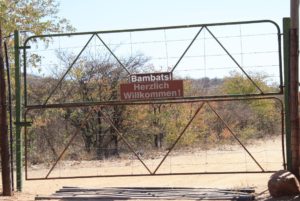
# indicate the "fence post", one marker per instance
pixel 4 143
pixel 294 86
pixel 287 90
pixel 18 113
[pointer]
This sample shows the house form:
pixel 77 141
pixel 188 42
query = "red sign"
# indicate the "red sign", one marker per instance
pixel 151 90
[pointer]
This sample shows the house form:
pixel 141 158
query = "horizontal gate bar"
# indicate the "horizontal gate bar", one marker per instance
pixel 158 101
pixel 157 174
pixel 155 28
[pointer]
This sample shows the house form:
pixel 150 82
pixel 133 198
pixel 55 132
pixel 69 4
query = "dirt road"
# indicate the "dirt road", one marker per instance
pixel 267 152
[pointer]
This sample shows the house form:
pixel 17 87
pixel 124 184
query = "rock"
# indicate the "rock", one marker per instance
pixel 283 183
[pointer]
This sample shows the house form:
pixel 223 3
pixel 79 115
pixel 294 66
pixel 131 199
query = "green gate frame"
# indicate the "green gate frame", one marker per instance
pixel 18 108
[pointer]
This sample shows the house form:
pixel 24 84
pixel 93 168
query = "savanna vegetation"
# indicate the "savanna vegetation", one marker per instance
pixel 101 132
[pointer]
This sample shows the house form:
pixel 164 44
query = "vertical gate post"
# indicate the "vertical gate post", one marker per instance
pixel 18 113
pixel 287 90
pixel 294 85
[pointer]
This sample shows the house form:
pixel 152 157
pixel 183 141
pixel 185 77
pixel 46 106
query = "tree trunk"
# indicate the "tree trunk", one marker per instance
pixel 118 122
pixel 99 138
pixel 158 140
pixel 158 137
pixel 48 140
pixel 5 159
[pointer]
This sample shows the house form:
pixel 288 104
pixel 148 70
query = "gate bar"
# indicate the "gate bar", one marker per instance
pixel 156 101
pixel 179 137
pixel 233 59
pixel 188 47
pixel 235 137
pixel 157 174
pixel 113 54
pixel 108 119
pixel 70 142
pixel 154 29
pixel 18 113
pixel 287 89
pixel 68 70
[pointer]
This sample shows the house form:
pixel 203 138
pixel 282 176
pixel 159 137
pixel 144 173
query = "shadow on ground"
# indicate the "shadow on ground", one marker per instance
pixel 265 196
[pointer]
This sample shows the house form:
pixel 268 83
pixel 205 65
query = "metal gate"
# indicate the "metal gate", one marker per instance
pixel 78 126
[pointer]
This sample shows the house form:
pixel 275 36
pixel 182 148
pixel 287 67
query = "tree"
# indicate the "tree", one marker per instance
pixel 89 80
pixel 35 16
pixel 252 118
pixel 5 162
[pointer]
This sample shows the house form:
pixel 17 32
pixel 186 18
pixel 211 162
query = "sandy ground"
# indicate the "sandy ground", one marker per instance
pixel 268 153
pixel 259 181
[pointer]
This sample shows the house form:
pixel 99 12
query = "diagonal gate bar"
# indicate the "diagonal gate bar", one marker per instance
pixel 70 141
pixel 179 137
pixel 109 120
pixel 186 50
pixel 68 70
pixel 113 54
pixel 235 136
pixel 233 59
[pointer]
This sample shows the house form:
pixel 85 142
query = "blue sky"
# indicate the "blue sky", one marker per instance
pixel 98 15
pixel 254 46
pixel 90 15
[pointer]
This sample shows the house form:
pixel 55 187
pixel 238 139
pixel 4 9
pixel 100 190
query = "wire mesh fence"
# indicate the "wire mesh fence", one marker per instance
pixel 91 66
pixel 81 126
pixel 157 139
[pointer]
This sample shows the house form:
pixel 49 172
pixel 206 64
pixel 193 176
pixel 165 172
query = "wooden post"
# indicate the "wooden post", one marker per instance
pixel 287 90
pixel 294 82
pixel 4 144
